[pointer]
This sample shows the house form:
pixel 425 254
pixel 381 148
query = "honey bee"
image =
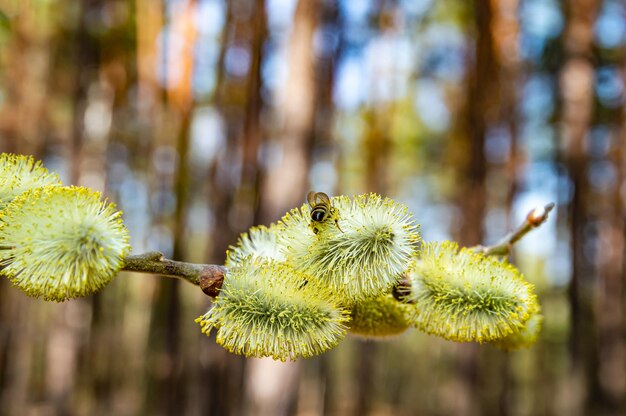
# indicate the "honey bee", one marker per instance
pixel 321 210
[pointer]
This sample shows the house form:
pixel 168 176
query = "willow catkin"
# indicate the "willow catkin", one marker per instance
pixel 361 258
pixel 259 242
pixel 463 296
pixel 59 243
pixel 267 309
pixel 19 173
pixel 382 316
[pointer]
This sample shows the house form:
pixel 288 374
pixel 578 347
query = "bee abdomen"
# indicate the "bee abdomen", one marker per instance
pixel 318 214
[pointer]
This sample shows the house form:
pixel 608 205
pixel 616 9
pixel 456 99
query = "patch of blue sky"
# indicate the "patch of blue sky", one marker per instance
pixel 537 100
pixel 538 139
pixel 610 27
pixel 207 135
pixel 205 63
pixel 355 12
pixel 609 86
pixel 210 18
pixel 430 105
pixel 350 85
pixel 275 70
pixel 323 176
pixel 423 198
pixel 416 8
pixel 541 18
pixel 443 52
pixel 388 64
pixel 280 14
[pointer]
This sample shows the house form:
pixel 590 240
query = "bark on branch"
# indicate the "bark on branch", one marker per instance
pixel 208 276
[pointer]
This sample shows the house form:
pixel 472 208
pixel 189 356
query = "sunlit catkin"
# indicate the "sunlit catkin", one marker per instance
pixel 382 316
pixel 466 296
pixel 20 173
pixel 360 257
pixel 267 309
pixel 259 242
pixel 58 243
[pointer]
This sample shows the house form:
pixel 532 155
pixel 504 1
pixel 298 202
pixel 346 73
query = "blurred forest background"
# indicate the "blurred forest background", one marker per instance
pixel 201 118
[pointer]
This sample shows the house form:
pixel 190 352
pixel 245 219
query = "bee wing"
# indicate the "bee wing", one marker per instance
pixel 323 197
pixel 310 197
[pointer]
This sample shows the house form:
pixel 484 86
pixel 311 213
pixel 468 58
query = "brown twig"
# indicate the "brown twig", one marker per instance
pixel 534 219
pixel 208 276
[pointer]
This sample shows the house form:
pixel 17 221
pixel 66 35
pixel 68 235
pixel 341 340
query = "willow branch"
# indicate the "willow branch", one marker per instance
pixel 208 276
pixel 534 219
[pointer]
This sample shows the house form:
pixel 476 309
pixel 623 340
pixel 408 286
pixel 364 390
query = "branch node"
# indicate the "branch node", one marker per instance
pixel 211 279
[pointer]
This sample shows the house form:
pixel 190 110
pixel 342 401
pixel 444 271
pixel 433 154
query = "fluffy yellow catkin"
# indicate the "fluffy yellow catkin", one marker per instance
pixel 362 257
pixel 20 173
pixel 259 242
pixel 464 296
pixel 58 243
pixel 382 316
pixel 267 309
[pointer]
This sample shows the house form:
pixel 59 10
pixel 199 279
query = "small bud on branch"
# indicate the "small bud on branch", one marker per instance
pixel 534 219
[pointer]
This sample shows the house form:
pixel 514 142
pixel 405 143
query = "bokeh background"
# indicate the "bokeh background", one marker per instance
pixel 201 118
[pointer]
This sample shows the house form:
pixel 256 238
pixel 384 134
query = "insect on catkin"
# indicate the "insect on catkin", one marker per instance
pixel 362 259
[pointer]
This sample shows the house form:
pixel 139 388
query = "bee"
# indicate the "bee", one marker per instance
pixel 321 210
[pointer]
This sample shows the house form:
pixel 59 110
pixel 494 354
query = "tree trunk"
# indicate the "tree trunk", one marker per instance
pixel 576 86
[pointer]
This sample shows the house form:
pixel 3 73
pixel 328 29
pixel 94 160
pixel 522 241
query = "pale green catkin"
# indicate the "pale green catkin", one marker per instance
pixel 258 242
pixel 59 243
pixel 382 316
pixel 363 257
pixel 20 173
pixel 464 296
pixel 267 309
